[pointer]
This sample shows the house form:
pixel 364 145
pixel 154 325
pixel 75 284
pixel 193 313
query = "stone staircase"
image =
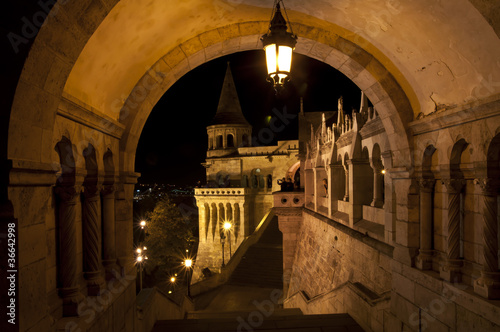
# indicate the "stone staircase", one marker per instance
pixel 250 300
pixel 262 264
pixel 285 320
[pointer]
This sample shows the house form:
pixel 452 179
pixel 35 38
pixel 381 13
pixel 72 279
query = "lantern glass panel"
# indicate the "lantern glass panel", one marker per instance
pixel 271 58
pixel 284 58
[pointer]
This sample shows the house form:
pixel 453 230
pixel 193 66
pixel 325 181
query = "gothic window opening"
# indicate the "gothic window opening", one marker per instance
pixel 230 141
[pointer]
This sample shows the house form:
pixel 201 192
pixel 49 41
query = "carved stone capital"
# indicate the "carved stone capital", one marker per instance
pixel 453 186
pixel 426 185
pixel 108 190
pixel 91 192
pixel 488 186
pixel 68 194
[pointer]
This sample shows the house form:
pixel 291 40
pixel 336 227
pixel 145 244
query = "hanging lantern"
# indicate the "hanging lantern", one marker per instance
pixel 278 45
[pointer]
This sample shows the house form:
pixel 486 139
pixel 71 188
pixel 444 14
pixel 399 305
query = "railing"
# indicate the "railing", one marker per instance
pixel 355 292
pixel 288 199
pixel 221 191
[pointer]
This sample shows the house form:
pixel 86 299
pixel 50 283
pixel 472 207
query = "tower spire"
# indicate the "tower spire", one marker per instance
pixel 229 109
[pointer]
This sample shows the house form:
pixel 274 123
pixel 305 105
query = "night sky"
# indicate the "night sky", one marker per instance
pixel 173 143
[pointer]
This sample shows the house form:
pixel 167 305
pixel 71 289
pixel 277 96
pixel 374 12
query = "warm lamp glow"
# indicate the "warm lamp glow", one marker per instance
pixel 142 223
pixel 278 45
pixel 139 259
pixel 383 171
pixel 188 262
pixel 172 279
pixel 227 225
pixel 138 250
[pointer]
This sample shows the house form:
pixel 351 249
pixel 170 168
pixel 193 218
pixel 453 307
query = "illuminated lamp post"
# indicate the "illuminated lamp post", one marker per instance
pixel 222 241
pixel 188 263
pixel 227 229
pixel 140 260
pixel 278 45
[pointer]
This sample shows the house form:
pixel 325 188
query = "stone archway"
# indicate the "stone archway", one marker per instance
pixel 405 74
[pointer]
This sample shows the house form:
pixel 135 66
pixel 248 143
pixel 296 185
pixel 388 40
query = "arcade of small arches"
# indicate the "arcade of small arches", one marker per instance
pixel 455 188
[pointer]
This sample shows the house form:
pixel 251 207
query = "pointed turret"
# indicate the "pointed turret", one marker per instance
pixel 229 129
pixel 229 109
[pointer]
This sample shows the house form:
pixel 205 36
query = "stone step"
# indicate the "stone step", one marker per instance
pixel 257 321
pixel 215 315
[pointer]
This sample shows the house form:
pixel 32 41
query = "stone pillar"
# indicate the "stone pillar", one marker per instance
pixel 451 268
pixel 244 227
pixel 211 221
pixel 91 226
pixel 424 258
pixel 378 178
pixel 316 189
pixel 69 290
pixel 346 171
pixel 108 231
pixel 202 221
pixel 488 285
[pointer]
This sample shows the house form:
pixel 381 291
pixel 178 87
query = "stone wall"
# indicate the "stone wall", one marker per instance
pixel 338 270
pixel 340 255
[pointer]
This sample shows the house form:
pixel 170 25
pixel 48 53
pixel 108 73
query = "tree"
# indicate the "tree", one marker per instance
pixel 170 232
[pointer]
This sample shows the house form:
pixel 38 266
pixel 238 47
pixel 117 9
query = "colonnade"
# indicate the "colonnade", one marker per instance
pixel 213 214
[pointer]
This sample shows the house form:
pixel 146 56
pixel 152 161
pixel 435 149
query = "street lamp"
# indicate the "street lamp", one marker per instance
pixel 140 259
pixel 142 224
pixel 278 45
pixel 227 229
pixel 222 241
pixel 188 263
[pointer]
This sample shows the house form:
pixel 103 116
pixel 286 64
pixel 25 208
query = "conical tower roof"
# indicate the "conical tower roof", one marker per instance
pixel 229 109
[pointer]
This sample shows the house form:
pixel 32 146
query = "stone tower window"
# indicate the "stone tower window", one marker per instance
pixel 230 141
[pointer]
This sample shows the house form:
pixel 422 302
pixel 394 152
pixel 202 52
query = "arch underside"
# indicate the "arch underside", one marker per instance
pixel 91 63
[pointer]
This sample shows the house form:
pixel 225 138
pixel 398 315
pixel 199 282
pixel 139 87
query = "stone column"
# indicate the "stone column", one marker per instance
pixel 424 258
pixel 210 235
pixel 451 268
pixel 378 178
pixel 346 195
pixel 317 191
pixel 488 285
pixel 91 222
pixel 69 290
pixel 202 221
pixel 108 232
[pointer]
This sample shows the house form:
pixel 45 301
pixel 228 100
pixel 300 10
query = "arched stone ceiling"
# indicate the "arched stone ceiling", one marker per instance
pixel 441 53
